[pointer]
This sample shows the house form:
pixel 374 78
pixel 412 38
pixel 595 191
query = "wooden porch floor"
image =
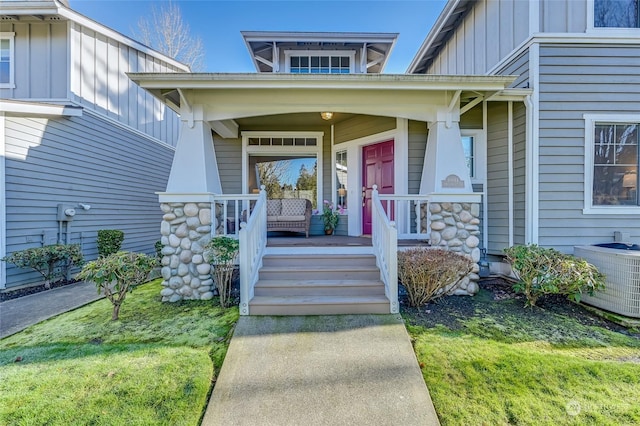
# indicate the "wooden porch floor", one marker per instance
pixel 275 239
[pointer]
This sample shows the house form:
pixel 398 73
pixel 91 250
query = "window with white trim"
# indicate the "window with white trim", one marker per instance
pixel 612 161
pixel 305 64
pixel 469 154
pixel 616 13
pixel 6 60
pixel 475 154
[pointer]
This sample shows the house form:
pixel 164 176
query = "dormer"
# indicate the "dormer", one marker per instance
pixel 319 53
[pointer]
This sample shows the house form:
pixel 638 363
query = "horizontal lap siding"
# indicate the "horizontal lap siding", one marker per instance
pixel 229 158
pixel 81 159
pixel 574 80
pixel 519 173
pixel 361 126
pixel 520 67
pixel 497 191
pixel 417 145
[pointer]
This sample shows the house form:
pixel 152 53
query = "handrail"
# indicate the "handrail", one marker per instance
pixel 384 236
pixel 253 242
pixel 240 203
pixel 401 207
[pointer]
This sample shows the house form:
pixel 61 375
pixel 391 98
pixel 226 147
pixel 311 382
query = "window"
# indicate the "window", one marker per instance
pixel 6 60
pixel 320 65
pixel 469 154
pixel 615 164
pixel 616 13
pixel 341 178
pixel 611 164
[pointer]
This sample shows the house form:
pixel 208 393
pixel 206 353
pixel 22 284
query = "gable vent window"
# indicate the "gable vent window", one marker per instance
pixel 320 64
pixel 616 13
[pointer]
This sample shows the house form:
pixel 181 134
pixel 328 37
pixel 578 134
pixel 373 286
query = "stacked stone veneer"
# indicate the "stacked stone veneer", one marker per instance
pixel 456 227
pixel 186 230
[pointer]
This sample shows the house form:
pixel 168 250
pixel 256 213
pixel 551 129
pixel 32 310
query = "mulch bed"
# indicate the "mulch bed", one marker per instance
pixel 25 291
pixel 497 298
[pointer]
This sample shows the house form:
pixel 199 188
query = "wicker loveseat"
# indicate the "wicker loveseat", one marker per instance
pixel 289 214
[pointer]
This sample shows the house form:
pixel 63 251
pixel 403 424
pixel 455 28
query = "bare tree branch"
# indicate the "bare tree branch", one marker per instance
pixel 165 31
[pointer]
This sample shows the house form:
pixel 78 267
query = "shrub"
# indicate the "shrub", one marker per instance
pixel 543 271
pixel 428 274
pixel 158 247
pixel 49 261
pixel 109 241
pixel 117 274
pixel 221 253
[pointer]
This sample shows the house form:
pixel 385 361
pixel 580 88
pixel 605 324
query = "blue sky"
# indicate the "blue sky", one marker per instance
pixel 219 23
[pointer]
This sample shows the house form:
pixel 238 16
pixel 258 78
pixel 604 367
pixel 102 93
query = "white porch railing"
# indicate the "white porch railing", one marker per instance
pixel 234 211
pixel 406 212
pixel 253 241
pixel 384 237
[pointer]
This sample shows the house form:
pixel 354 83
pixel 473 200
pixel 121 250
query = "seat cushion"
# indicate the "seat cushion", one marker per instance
pixel 295 218
pixel 293 207
pixel 273 207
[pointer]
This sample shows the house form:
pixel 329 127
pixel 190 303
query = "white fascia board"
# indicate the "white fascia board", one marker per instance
pixel 435 31
pixel 121 38
pixel 292 36
pixel 319 81
pixel 38 109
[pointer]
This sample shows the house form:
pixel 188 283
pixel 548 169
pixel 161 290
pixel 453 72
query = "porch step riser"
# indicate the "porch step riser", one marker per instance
pixel 318 261
pixel 283 274
pixel 320 310
pixel 320 290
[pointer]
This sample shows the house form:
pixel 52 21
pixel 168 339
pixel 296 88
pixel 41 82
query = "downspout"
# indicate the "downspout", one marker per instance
pixel 485 188
pixel 510 167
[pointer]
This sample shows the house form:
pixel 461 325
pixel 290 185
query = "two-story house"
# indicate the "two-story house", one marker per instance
pixel 566 172
pixel 76 134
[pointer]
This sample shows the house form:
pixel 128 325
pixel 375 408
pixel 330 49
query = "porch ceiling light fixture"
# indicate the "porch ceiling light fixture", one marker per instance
pixel 326 115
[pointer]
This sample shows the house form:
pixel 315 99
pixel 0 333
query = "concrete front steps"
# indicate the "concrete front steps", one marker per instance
pixel 319 284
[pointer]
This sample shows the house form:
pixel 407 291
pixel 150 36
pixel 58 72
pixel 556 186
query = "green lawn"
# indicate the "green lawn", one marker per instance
pixel 155 365
pixel 497 363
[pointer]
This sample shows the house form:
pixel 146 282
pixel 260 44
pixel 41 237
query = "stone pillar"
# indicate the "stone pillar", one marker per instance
pixel 456 227
pixel 186 230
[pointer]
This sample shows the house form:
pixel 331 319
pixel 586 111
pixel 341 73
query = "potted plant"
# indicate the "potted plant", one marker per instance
pixel 330 217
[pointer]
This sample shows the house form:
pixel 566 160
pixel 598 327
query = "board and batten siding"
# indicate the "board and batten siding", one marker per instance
pixel 81 160
pixel 574 80
pixel 98 81
pixel 40 57
pixel 563 16
pixel 488 33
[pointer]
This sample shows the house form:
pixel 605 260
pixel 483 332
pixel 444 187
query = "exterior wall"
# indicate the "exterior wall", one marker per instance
pixel 497 191
pixel 489 32
pixel 418 133
pixel 98 81
pixel 520 67
pixel 563 16
pixel 40 47
pixel 81 159
pixel 519 172
pixel 361 126
pixel 229 156
pixel 609 82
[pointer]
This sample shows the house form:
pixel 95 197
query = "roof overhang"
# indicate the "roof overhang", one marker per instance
pixel 263 46
pixel 232 96
pixel 453 12
pixel 13 108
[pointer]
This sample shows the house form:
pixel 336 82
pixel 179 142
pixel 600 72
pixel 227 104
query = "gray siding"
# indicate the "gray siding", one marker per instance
pixel 81 159
pixel 519 172
pixel 418 133
pixel 41 54
pixel 563 16
pixel 229 158
pixel 497 191
pixel 608 82
pixel 520 67
pixel 361 126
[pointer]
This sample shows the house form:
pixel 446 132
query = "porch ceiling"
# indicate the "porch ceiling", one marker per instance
pixel 236 96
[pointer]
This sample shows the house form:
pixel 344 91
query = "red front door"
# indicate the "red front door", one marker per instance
pixel 377 169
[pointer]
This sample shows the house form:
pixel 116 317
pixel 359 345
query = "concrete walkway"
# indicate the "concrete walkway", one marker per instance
pixel 320 370
pixel 18 314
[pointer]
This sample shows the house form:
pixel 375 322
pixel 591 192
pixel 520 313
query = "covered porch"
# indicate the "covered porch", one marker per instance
pixel 398 134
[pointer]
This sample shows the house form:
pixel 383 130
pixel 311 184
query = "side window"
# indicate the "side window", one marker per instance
pixel 468 143
pixel 6 60
pixel 615 164
pixel 616 13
